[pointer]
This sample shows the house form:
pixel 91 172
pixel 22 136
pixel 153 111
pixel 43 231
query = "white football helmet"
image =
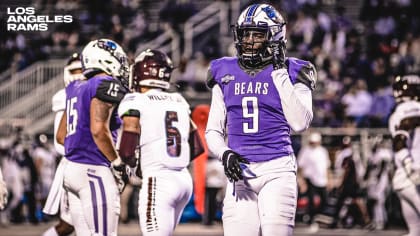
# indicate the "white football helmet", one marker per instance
pixel 71 69
pixel 262 18
pixel 105 55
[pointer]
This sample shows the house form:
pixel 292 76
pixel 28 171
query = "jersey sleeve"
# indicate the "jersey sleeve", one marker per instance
pixel 216 125
pixel 130 105
pixel 296 100
pixel 58 101
pixel 110 90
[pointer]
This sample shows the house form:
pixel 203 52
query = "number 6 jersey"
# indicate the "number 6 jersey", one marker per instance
pixel 165 127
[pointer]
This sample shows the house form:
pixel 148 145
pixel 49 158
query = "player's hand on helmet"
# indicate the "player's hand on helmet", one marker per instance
pixel 121 173
pixel 3 194
pixel 278 50
pixel 231 163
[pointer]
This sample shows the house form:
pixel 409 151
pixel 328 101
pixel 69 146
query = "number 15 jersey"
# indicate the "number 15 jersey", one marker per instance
pixel 79 144
pixel 165 127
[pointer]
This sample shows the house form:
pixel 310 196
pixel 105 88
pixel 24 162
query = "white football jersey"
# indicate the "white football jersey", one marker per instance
pixel 165 127
pixel 59 100
pixel 403 111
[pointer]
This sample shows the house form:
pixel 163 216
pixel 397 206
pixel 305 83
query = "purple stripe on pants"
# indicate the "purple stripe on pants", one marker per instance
pixel 95 208
pixel 105 215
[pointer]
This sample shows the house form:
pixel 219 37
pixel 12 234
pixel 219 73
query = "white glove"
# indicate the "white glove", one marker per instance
pixel 120 172
pixel 3 194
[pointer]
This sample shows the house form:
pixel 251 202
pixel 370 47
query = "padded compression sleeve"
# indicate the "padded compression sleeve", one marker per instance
pixel 216 130
pixel 128 145
pixel 296 100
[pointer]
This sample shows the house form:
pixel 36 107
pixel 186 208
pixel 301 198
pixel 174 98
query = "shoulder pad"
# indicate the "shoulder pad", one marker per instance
pixel 211 82
pixel 130 104
pixel 111 91
pixel 217 68
pixel 302 71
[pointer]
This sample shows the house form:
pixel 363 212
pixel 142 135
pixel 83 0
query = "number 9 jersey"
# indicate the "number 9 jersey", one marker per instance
pixel 165 127
pixel 255 118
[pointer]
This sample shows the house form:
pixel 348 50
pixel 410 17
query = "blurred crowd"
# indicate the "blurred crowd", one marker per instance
pixel 347 185
pixel 356 58
pixel 123 21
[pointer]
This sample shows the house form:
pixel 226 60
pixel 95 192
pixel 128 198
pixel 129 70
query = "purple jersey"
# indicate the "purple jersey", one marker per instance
pixel 79 144
pixel 256 126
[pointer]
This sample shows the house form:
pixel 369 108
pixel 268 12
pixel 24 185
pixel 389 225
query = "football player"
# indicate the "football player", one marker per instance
pixel 257 98
pixel 57 197
pixel 404 125
pixel 158 124
pixel 94 174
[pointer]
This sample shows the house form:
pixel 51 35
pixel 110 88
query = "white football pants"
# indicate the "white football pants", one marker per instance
pixel 264 203
pixel 163 197
pixel 93 192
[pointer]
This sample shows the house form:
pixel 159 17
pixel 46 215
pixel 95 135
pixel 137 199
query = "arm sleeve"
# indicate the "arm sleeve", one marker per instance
pixel 295 99
pixel 216 124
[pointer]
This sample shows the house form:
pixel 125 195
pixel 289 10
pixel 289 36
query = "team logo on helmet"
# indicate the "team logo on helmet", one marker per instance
pixel 105 55
pixel 271 13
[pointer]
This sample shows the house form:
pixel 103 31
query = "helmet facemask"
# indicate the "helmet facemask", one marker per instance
pixel 251 44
